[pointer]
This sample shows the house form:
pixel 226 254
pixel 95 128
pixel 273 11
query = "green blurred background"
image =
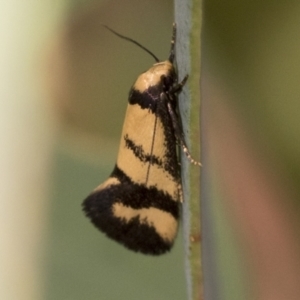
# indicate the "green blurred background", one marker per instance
pixel 65 85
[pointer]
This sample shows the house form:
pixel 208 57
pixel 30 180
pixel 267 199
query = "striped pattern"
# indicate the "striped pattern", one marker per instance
pixel 139 204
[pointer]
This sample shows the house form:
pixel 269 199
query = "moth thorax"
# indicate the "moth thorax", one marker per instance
pixel 153 76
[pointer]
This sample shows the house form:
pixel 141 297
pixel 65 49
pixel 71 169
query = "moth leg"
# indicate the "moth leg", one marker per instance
pixel 177 87
pixel 177 130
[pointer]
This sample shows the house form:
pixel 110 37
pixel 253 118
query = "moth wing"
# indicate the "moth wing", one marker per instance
pixel 127 213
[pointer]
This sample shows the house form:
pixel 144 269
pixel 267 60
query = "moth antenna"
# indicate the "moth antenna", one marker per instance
pixel 178 131
pixel 132 41
pixel 173 41
pixel 189 156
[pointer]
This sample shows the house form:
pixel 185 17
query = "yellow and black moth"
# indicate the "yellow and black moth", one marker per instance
pixel 138 205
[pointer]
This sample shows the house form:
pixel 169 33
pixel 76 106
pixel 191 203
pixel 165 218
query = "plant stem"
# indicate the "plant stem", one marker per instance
pixel 188 17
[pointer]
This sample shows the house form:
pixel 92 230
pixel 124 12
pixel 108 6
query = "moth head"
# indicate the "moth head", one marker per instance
pixel 159 74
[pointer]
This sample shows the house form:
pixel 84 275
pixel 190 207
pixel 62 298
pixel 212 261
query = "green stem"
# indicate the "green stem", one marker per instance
pixel 188 17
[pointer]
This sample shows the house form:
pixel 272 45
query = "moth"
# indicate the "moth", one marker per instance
pixel 139 204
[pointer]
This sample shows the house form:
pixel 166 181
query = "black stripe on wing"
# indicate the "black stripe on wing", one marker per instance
pixel 134 234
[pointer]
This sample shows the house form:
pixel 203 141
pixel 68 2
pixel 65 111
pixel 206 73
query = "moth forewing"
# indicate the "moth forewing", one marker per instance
pixel 142 150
